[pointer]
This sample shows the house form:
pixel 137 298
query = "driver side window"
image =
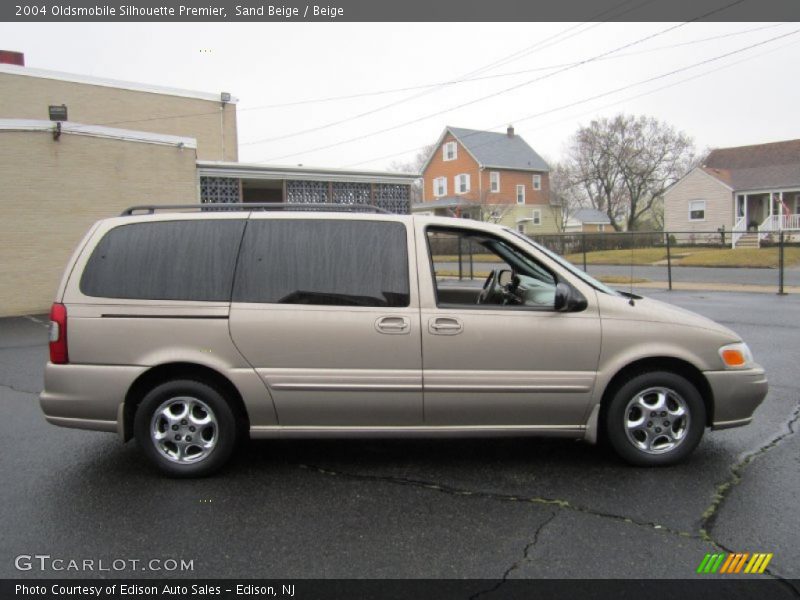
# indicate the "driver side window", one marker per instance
pixel 474 269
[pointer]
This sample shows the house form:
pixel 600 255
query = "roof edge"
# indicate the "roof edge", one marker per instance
pixel 100 131
pixel 113 83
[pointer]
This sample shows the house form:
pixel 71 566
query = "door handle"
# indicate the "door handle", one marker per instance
pixel 392 325
pixel 445 326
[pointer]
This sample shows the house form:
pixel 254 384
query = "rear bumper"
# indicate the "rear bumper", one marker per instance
pixel 86 396
pixel 737 394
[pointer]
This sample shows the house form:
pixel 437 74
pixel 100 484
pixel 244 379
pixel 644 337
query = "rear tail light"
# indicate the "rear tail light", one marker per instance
pixel 58 334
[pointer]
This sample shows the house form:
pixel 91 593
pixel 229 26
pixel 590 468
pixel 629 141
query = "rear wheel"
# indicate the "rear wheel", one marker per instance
pixel 656 418
pixel 186 428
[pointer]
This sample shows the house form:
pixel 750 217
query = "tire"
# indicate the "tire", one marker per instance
pixel 655 419
pixel 186 428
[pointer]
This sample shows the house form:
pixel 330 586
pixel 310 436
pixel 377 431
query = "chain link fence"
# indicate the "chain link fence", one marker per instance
pixel 684 259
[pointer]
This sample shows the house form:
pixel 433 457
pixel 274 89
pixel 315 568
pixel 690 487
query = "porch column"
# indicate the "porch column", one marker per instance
pixel 780 212
pixel 771 202
pixel 746 202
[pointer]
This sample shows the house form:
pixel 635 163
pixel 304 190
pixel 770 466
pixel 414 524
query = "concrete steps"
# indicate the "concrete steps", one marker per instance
pixel 748 240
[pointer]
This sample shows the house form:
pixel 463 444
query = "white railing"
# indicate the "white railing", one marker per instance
pixel 738 231
pixel 778 223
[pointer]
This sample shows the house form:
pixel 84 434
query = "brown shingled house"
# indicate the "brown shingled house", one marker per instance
pixel 752 191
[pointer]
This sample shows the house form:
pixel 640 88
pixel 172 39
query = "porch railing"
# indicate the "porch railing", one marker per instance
pixel 778 223
pixel 739 229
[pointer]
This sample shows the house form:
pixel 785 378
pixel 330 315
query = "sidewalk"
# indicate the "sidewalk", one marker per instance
pixel 710 287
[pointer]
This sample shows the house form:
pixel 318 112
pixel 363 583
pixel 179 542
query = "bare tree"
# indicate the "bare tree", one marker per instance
pixel 414 166
pixel 565 193
pixel 625 164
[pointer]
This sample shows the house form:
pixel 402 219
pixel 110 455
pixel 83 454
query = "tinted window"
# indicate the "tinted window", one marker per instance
pixel 347 263
pixel 166 260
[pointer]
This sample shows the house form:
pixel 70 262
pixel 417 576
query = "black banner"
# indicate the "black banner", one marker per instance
pixel 731 588
pixel 399 10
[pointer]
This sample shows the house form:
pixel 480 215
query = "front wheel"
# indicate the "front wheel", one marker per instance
pixel 655 419
pixel 186 428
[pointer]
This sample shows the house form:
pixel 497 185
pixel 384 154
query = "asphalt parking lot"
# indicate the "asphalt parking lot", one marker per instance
pixel 495 509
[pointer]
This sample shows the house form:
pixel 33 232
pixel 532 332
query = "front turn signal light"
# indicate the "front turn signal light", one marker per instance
pixel 736 356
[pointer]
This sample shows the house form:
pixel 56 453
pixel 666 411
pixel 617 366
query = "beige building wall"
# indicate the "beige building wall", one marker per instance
pixel 210 122
pixel 698 185
pixel 52 192
pixel 511 218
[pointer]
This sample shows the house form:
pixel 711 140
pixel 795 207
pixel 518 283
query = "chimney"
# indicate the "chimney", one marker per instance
pixel 9 57
pixel 510 131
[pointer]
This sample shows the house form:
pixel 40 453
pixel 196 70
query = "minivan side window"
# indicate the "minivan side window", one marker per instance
pixel 323 262
pixel 165 260
pixel 475 269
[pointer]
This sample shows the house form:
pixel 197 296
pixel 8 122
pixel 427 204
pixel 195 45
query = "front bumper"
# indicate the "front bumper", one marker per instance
pixel 736 394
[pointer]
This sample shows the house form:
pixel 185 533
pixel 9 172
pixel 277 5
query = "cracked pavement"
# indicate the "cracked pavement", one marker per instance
pixel 499 509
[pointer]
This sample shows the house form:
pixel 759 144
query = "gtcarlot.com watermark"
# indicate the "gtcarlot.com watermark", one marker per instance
pixel 48 563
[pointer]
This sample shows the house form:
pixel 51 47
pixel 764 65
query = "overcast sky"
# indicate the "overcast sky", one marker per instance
pixel 745 98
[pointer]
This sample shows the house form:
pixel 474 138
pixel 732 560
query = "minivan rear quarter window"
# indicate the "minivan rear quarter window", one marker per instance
pixel 323 262
pixel 165 260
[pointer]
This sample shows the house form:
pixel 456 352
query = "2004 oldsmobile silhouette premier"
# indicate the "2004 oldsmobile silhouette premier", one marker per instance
pixel 191 329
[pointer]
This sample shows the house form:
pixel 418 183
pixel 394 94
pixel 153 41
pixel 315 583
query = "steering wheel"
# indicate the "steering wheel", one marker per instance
pixel 489 287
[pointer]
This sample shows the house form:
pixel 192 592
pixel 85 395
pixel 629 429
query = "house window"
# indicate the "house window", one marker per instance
pixel 521 227
pixel 537 182
pixel 520 194
pixel 450 151
pixel 494 181
pixel 462 183
pixel 697 210
pixel 537 216
pixel 440 186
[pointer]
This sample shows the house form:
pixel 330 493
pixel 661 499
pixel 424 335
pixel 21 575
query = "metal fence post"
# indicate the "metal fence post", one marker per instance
pixel 471 265
pixel 583 244
pixel 780 265
pixel 460 260
pixel 669 261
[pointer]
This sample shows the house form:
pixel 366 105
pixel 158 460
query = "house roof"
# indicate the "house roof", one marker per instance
pixel 495 150
pixel 762 166
pixel 500 150
pixel 590 215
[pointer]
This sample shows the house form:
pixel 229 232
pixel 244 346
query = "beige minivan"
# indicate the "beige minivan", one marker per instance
pixel 191 328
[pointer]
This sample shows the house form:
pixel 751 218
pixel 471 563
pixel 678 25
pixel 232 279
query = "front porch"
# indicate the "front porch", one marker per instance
pixel 762 214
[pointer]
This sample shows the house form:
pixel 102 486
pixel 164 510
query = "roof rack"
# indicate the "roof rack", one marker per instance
pixel 254 206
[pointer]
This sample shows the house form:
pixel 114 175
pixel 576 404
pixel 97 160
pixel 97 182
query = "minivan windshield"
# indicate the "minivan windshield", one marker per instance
pixel 566 264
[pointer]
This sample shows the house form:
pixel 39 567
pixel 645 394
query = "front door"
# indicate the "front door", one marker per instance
pixel 495 352
pixel 325 311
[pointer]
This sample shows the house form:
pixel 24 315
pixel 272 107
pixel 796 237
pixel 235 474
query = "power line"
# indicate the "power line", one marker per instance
pixel 500 75
pixel 617 90
pixel 485 77
pixel 433 88
pixel 504 91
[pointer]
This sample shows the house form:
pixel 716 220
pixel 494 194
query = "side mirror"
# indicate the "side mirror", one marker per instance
pixel 568 299
pixel 504 278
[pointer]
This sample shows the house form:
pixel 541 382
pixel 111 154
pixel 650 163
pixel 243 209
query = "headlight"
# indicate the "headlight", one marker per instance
pixel 736 356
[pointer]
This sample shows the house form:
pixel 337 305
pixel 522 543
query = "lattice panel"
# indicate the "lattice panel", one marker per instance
pixel 306 191
pixel 219 190
pixel 351 193
pixel 393 197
